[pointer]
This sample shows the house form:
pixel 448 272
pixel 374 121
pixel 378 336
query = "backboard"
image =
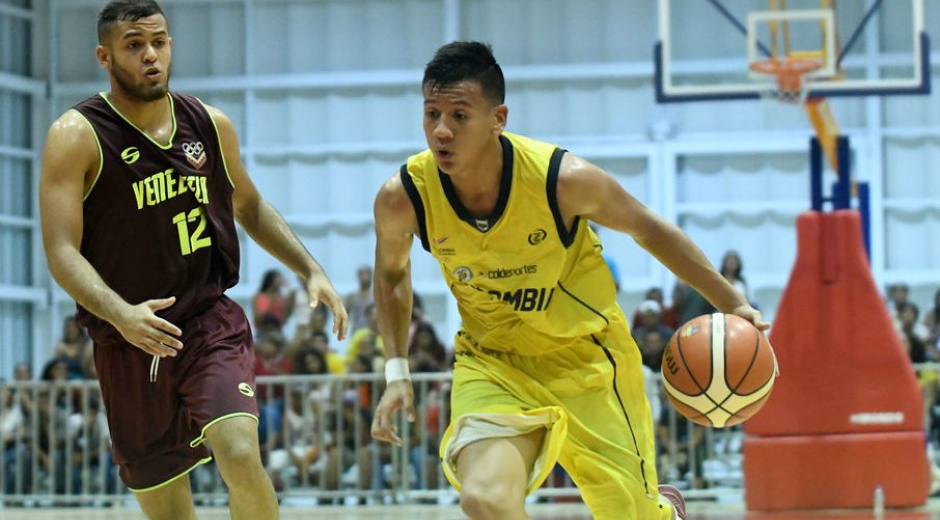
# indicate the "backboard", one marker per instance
pixel 706 48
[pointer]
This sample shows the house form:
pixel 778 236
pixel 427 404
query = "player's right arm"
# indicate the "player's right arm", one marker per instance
pixel 395 227
pixel 70 163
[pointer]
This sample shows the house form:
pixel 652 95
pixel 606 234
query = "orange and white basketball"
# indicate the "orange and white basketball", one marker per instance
pixel 718 369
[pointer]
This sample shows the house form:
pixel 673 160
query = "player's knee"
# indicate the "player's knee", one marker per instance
pixel 489 500
pixel 237 453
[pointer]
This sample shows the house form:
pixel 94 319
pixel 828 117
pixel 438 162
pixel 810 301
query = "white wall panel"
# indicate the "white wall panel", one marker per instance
pixel 395 114
pixel 624 106
pixel 907 111
pixel 274 120
pixel 541 31
pixel 76 37
pixel 637 268
pixel 766 242
pixel 15 263
pixel 743 178
pixel 306 117
pixel 537 109
pixel 16 178
pixel 912 239
pixel 348 116
pixel 208 40
pixel 912 168
pixel 340 35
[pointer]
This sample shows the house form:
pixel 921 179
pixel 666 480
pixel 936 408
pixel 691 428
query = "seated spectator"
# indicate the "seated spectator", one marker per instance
pixel 17 461
pixel 272 304
pixel 426 352
pixel 897 296
pixel 22 372
pixel 91 450
pixel 55 370
pixel 688 303
pixel 908 315
pixel 299 455
pixel 650 319
pixel 310 361
pixel 370 330
pixel 357 303
pixel 932 321
pixel 652 346
pixel 732 268
pixel 668 317
pixel 74 348
pixel 270 360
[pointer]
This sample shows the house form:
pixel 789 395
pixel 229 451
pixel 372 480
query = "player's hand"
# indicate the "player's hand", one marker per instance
pixel 319 290
pixel 141 327
pixel 752 315
pixel 399 395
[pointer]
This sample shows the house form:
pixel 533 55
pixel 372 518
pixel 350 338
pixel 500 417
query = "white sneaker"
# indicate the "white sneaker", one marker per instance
pixel 674 497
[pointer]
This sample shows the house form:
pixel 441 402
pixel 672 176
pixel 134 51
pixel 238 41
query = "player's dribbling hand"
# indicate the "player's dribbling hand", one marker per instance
pixel 141 327
pixel 398 395
pixel 319 290
pixel 752 315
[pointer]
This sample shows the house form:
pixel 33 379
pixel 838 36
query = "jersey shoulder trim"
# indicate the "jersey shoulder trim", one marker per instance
pixel 551 188
pixel 94 134
pixel 418 204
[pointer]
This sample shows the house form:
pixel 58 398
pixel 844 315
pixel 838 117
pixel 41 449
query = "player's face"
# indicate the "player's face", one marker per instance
pixel 137 56
pixel 459 123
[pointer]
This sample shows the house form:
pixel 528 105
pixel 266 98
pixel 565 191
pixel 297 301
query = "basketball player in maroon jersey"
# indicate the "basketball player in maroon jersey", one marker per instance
pixel 140 188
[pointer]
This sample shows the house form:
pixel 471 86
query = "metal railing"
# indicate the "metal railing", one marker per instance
pixel 315 444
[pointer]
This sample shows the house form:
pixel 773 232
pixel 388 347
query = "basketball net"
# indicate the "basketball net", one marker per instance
pixel 792 75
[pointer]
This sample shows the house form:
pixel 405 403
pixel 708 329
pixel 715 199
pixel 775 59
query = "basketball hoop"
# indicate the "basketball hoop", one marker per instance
pixel 792 74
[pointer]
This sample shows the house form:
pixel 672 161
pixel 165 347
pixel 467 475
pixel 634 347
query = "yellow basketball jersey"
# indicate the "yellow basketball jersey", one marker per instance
pixel 523 282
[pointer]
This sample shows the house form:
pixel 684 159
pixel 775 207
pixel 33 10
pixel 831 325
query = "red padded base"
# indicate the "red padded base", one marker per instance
pixel 835 471
pixel 842 366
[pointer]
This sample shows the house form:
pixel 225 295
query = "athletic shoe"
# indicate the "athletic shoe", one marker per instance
pixel 674 497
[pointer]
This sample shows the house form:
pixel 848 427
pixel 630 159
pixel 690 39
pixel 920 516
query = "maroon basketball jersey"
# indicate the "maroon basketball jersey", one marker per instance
pixel 158 220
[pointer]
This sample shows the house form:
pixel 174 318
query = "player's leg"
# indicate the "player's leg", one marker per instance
pixel 494 475
pixel 237 453
pixel 505 433
pixel 172 501
pixel 150 449
pixel 610 450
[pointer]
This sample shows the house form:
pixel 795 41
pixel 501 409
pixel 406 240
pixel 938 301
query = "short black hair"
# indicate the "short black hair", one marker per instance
pixel 466 60
pixel 122 11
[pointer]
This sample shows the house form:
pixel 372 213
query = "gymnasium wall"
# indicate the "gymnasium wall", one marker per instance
pixel 325 95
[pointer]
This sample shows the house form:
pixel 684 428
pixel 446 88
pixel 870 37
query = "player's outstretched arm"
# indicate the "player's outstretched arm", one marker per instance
pixel 586 190
pixel 70 164
pixel 395 227
pixel 268 228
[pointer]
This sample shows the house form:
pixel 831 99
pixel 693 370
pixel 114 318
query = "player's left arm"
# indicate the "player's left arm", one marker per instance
pixel 268 228
pixel 585 190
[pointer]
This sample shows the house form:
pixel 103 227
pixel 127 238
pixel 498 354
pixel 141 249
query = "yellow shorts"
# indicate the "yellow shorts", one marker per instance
pixel 591 399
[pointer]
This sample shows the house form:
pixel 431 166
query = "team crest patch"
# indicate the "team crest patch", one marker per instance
pixel 463 273
pixel 195 154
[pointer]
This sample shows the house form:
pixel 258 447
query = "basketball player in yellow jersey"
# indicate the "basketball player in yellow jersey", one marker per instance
pixel 546 369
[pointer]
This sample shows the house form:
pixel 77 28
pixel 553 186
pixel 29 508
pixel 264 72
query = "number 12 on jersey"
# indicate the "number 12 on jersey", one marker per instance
pixel 190 242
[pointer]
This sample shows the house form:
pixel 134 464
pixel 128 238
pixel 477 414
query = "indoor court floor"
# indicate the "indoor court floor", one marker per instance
pixel 696 511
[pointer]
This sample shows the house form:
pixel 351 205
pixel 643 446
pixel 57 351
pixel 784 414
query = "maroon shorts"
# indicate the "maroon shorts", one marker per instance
pixel 157 411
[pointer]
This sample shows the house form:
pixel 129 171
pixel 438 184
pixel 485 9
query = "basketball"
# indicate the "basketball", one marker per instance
pixel 718 370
